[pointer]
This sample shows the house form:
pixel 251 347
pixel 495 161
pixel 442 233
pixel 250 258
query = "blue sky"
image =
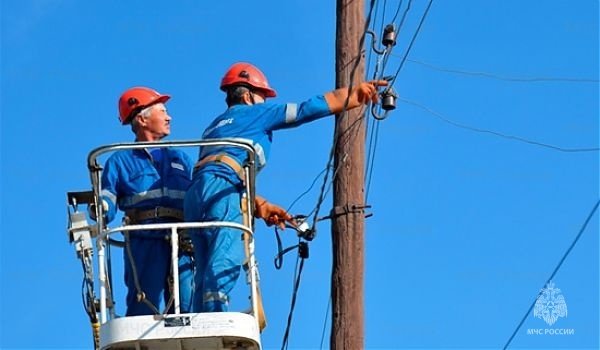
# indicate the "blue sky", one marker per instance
pixel 467 226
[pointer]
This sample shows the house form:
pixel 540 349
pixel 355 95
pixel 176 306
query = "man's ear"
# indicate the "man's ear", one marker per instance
pixel 141 120
pixel 247 98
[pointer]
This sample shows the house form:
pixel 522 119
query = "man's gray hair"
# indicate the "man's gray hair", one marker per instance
pixel 145 113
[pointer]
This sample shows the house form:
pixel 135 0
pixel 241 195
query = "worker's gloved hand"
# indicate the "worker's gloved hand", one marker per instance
pixel 92 209
pixel 272 214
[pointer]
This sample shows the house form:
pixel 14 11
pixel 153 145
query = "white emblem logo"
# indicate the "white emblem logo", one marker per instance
pixel 550 305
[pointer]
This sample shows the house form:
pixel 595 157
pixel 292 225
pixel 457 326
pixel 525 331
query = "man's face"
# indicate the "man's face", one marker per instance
pixel 159 122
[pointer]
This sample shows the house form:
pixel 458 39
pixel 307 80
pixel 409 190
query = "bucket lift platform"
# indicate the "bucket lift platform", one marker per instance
pixel 217 330
pixel 182 331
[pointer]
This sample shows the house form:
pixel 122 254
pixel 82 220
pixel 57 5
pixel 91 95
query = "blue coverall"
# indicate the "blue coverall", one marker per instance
pixel 143 180
pixel 216 191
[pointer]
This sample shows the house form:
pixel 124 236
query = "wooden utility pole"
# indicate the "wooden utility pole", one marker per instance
pixel 347 279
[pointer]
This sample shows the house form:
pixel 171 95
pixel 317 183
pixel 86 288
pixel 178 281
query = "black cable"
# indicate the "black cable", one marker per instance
pixel 403 15
pixel 555 271
pixel 331 153
pixel 140 294
pixel 325 322
pixel 278 261
pixel 284 344
pixel 109 281
pixel 412 41
pixel 374 128
pixel 510 137
pixel 382 17
pixel 306 192
pixel 500 77
pixel 370 147
pixel 336 169
pixel 397 11
pixel 372 165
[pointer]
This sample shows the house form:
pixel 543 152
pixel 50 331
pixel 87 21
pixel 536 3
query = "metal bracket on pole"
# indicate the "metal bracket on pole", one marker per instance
pixel 348 209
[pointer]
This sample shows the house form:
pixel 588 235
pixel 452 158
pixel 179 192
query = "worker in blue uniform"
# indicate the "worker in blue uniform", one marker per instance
pixel 148 185
pixel 217 185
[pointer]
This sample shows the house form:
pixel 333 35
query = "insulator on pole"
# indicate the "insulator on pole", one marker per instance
pixel 389 36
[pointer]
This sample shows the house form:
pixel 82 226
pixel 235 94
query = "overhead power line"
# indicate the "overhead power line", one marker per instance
pixel 591 214
pixel 502 77
pixel 412 41
pixel 496 133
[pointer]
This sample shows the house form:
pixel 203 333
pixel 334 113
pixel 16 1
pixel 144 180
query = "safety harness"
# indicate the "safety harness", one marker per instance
pixel 222 158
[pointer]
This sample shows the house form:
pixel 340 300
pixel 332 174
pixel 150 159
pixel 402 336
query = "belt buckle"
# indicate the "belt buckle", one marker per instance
pixel 156 212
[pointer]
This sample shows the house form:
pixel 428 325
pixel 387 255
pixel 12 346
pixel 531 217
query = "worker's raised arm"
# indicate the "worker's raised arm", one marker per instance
pixel 362 93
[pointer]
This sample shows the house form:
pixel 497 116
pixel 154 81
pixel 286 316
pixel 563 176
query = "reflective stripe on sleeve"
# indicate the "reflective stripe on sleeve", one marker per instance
pixel 291 111
pixel 109 195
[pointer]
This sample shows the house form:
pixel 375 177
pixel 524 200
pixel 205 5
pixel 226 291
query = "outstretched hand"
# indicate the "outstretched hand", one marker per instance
pixel 367 91
pixel 342 99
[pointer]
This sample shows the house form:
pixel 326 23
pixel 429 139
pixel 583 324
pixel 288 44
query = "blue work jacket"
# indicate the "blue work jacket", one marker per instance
pixel 256 123
pixel 135 179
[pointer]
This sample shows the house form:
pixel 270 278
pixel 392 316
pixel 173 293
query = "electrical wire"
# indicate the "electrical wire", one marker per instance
pixel 354 125
pixel 591 214
pixel 298 275
pixel 403 15
pixel 499 134
pixel 502 77
pixel 412 41
pixel 307 191
pixel 325 322
pixel 323 190
pixel 397 11
pixel 331 153
pixel 371 162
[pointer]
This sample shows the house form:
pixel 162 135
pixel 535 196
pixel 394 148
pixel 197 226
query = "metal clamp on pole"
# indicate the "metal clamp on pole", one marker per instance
pixel 348 209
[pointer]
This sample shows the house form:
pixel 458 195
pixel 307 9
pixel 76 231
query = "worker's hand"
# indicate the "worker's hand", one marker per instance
pixel 366 92
pixel 272 214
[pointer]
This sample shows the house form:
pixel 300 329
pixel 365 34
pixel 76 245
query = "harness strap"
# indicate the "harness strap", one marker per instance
pixel 225 159
pixel 260 313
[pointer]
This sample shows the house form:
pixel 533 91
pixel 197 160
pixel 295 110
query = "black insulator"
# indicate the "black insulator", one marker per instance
pixel 389 36
pixel 388 100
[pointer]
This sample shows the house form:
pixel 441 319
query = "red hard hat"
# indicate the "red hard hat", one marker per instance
pixel 137 98
pixel 243 73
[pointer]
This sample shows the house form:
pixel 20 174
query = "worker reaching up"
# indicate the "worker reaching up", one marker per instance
pixel 217 187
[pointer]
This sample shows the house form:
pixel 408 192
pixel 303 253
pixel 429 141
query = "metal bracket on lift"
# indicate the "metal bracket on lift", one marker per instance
pixel 80 232
pixel 81 197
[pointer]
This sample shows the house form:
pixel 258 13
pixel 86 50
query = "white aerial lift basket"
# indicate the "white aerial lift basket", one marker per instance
pixel 185 331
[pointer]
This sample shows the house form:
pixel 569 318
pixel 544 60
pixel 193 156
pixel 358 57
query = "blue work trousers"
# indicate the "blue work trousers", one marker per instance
pixel 218 251
pixel 152 258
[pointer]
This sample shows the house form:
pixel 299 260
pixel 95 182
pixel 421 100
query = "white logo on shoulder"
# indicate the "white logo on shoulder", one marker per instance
pixel 219 124
pixel 177 166
pixel 550 305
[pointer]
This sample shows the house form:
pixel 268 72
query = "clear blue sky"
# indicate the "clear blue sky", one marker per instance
pixel 467 226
